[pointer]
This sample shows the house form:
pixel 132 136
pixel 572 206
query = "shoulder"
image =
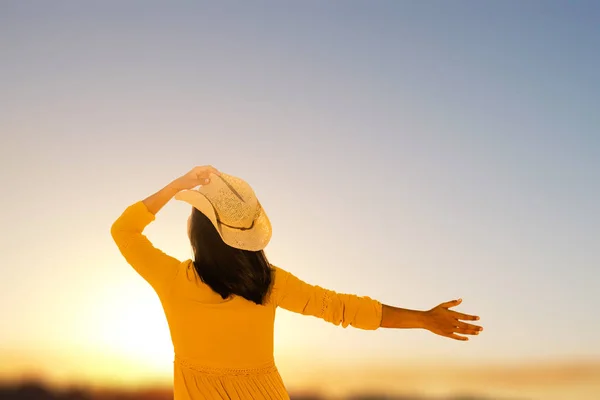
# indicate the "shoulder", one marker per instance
pixel 280 277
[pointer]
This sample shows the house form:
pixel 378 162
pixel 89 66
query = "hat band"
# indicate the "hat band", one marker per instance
pixel 236 227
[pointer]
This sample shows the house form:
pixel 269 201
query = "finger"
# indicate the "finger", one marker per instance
pixel 204 175
pixel 465 326
pixel 452 303
pixel 202 178
pixel 473 332
pixel 467 331
pixel 457 337
pixel 214 170
pixel 211 171
pixel 206 170
pixel 465 317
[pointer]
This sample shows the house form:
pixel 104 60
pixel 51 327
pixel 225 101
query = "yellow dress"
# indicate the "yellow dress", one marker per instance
pixel 224 348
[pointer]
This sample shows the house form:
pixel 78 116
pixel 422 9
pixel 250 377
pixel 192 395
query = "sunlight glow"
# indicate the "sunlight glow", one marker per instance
pixel 132 325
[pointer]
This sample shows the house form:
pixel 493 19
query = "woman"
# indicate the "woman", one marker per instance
pixel 220 307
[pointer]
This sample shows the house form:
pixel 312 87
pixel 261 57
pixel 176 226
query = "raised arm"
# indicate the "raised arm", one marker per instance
pixel 156 267
pixel 295 295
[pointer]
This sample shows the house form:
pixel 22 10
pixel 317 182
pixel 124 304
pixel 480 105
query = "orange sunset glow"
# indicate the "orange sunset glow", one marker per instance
pixel 413 152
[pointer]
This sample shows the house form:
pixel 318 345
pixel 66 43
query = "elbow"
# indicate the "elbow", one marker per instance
pixel 115 231
pixel 357 312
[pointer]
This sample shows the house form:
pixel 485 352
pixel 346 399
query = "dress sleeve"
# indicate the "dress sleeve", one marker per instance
pixel 156 267
pixel 292 294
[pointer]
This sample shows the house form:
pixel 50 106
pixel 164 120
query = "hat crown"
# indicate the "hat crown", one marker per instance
pixel 233 200
pixel 233 209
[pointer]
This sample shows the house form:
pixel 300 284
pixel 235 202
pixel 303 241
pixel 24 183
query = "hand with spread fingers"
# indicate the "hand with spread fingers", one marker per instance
pixel 449 323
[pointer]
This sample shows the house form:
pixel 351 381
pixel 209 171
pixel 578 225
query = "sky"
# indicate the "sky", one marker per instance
pixel 414 152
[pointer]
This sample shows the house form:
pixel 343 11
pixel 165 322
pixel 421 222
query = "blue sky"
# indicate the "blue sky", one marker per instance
pixel 410 151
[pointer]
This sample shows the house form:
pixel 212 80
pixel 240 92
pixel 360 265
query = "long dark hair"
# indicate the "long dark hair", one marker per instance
pixel 227 270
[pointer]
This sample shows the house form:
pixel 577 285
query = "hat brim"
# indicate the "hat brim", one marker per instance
pixel 253 239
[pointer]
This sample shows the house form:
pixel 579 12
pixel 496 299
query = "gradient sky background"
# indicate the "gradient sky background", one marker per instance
pixel 414 152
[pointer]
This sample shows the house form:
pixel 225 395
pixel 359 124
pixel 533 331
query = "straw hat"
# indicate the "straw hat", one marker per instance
pixel 232 207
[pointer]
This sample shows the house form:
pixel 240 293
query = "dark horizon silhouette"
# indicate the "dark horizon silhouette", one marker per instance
pixel 36 390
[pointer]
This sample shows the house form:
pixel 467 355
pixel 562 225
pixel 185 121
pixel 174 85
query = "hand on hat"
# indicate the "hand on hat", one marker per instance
pixel 195 177
pixel 445 322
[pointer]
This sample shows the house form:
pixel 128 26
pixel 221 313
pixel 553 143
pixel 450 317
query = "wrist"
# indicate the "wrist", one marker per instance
pixel 401 318
pixel 157 201
pixel 421 319
pixel 175 186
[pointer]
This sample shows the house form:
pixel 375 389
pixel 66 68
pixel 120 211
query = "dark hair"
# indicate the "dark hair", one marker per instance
pixel 227 270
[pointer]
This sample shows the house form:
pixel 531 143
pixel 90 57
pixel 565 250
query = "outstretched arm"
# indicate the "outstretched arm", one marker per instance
pixel 295 295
